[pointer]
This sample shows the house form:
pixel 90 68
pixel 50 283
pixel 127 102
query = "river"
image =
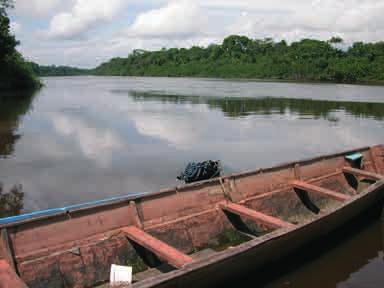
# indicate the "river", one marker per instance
pixel 87 138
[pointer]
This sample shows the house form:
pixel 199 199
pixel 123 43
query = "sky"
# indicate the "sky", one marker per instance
pixel 86 33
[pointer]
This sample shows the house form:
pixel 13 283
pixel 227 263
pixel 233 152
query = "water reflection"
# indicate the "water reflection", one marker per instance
pixel 12 108
pixel 240 107
pixel 11 202
pixel 90 138
pixel 95 142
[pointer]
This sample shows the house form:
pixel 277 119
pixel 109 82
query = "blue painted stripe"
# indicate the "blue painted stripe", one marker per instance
pixel 48 212
pixel 32 215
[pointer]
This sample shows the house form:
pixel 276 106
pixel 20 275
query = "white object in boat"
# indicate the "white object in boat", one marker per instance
pixel 120 274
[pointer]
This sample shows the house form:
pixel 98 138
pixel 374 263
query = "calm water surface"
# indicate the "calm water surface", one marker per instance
pixel 89 138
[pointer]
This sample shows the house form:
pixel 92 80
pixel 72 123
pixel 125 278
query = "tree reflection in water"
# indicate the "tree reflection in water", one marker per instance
pixel 13 106
pixel 240 107
pixel 11 202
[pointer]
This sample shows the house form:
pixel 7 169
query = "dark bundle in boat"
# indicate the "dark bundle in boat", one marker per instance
pixel 194 235
pixel 200 171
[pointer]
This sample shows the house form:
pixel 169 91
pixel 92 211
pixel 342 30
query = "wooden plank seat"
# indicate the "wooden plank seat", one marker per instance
pixel 365 174
pixel 316 189
pixel 254 215
pixel 165 252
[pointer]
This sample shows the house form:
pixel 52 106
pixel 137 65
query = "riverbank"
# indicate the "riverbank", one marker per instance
pixel 266 80
pixel 245 58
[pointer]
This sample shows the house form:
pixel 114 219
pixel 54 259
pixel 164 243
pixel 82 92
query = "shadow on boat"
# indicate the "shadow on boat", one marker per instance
pixel 310 267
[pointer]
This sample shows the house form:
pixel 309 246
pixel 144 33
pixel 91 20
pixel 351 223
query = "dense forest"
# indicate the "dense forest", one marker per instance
pixel 241 57
pixel 15 72
pixel 53 70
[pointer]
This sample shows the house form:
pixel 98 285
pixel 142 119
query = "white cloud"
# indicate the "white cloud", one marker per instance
pixel 155 24
pixel 84 15
pixel 278 18
pixel 292 20
pixel 35 7
pixel 15 27
pixel 179 18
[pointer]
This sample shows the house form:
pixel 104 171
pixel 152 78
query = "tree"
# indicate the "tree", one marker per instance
pixel 8 42
pixel 242 57
pixel 4 4
pixel 15 73
pixel 336 40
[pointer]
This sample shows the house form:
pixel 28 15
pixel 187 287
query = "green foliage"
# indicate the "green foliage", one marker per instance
pixel 15 72
pixel 57 70
pixel 4 4
pixel 336 40
pixel 241 57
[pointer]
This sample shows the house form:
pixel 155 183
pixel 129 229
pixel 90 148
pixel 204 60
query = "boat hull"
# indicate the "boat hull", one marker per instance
pixel 196 234
pixel 260 252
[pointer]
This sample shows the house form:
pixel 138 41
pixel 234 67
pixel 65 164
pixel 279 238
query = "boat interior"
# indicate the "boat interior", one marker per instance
pixel 173 228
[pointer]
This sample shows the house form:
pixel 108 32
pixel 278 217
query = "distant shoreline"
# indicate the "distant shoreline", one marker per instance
pixel 267 80
pixel 243 59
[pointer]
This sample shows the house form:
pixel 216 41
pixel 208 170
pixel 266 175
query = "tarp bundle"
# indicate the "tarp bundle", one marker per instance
pixel 200 171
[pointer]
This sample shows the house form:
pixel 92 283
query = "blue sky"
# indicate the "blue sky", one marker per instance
pixel 86 33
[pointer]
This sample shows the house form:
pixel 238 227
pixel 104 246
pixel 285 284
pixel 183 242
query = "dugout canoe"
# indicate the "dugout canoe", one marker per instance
pixel 194 235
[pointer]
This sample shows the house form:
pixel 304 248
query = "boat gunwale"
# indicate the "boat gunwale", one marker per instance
pixel 291 164
pixel 262 240
pixel 280 232
pixel 210 210
pixel 126 199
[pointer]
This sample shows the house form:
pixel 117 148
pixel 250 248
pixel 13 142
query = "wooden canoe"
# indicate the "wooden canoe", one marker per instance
pixel 193 235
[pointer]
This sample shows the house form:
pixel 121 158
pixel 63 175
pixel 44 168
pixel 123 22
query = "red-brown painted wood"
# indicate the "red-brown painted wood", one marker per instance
pixel 316 189
pixel 254 215
pixel 46 251
pixel 366 174
pixel 161 249
pixel 5 250
pixel 8 276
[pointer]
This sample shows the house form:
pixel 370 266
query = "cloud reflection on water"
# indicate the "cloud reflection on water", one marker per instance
pixel 90 138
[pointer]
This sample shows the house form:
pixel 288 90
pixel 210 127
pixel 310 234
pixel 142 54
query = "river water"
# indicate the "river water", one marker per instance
pixel 88 138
